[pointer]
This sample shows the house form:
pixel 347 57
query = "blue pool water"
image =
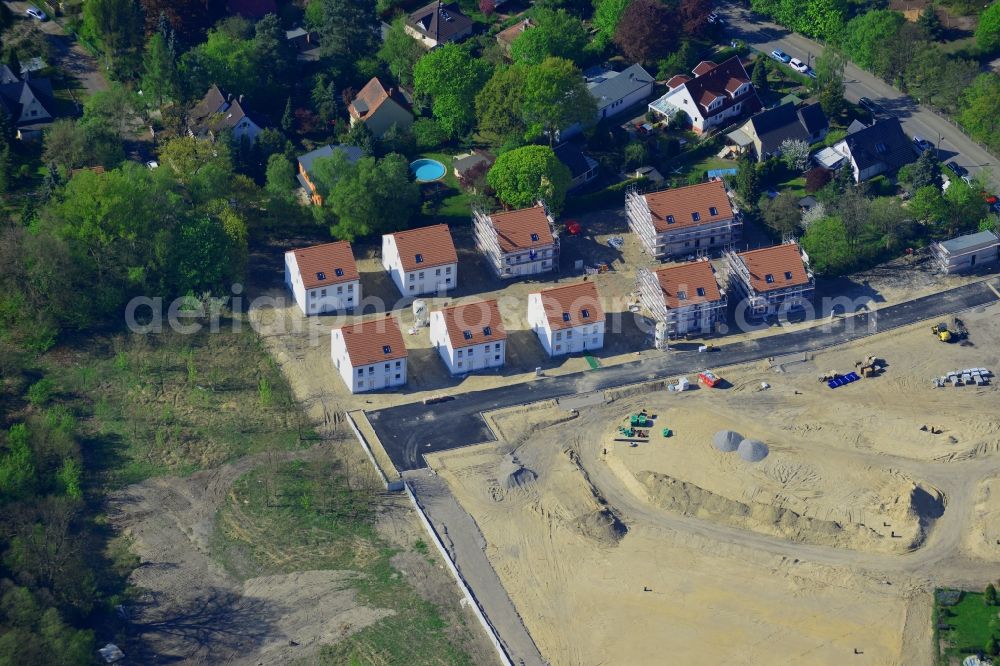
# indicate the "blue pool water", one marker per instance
pixel 427 170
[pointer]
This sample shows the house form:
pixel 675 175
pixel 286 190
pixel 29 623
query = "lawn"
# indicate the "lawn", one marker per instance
pixel 312 515
pixel 971 624
pixel 452 204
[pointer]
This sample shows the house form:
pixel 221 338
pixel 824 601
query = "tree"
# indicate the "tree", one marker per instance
pixel 988 32
pixel 115 25
pixel 680 61
pixel 190 19
pixel 992 647
pixel 360 135
pixel 980 109
pixel 938 79
pixel 159 78
pixel 498 106
pixel 525 175
pixel 694 15
pixel 280 177
pixel 556 34
pixel 761 67
pixel 826 243
pixel 930 22
pixel 829 81
pixel 451 76
pixel 823 18
pixel 990 595
pixel 346 28
pixel 795 154
pixel 287 117
pixel 636 155
pixel 747 181
pixel 556 98
pixel 817 179
pixel 781 214
pixel 925 171
pixel 6 168
pixel 17 467
pixel 324 99
pixel 400 52
pixel 606 17
pixel 928 205
pixel 646 31
pixel 866 31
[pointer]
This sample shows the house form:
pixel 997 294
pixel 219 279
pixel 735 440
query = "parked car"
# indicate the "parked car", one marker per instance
pixel 717 19
pixel 798 65
pixel 870 106
pixel 957 169
pixel 780 56
pixel 991 199
pixel 921 143
pixel 36 13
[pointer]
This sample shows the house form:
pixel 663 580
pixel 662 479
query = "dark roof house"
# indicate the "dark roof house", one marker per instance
pixel 582 167
pixel 438 23
pixel 29 103
pixel 219 112
pixel 768 129
pixel 875 149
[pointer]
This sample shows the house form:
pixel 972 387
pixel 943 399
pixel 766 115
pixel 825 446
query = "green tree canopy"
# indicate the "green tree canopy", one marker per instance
pixel 988 32
pixel 498 106
pixel 555 97
pixel 980 109
pixel 400 52
pixel 829 81
pixel 525 175
pixel 606 17
pixel 450 76
pixel 556 34
pixel 867 31
pixel 826 243
pixel 347 29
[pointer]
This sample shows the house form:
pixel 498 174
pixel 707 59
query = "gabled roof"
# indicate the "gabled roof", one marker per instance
pixel 372 96
pixel 783 263
pixel 572 305
pixel 373 341
pixel 703 67
pixel 432 245
pixel 508 35
pixel 812 118
pixel 323 265
pixel 609 87
pixel 306 161
pixel 19 94
pixel 440 22
pixel 218 111
pixel 7 75
pixel 473 323
pixel 677 80
pixel 522 229
pixel 776 125
pixel 575 160
pixel 678 207
pixel 688 284
pixel 883 142
pixel 713 82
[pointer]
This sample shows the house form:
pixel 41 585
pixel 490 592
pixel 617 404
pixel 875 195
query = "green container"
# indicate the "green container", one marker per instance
pixel 667 432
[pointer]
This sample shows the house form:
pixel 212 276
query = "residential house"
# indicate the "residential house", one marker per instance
pixel 967 252
pixel 771 281
pixel 323 278
pixel 28 102
pixel 507 36
pixel 380 108
pixel 517 242
pixel 582 167
pixel 438 23
pixel 304 43
pixel 469 336
pixel 218 112
pixel 686 297
pixel 871 150
pixel 421 261
pixel 764 132
pixel 370 355
pixel 615 92
pixel 715 96
pixel 567 319
pixel 683 221
pixel 307 162
pixel 7 75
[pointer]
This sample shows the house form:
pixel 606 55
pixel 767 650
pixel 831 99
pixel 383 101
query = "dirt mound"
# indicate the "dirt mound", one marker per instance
pixel 602 526
pixel 520 478
pixel 691 500
pixel 727 441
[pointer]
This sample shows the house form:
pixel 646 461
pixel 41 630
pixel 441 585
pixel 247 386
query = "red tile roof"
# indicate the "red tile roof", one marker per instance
pixel 432 244
pixel 704 66
pixel 367 342
pixel 372 96
pixel 686 280
pixel 475 319
pixel 717 81
pixel 677 80
pixel 682 203
pixel 322 265
pixel 565 306
pixel 522 229
pixel 782 262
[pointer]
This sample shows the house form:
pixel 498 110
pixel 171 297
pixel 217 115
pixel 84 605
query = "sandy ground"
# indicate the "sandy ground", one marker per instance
pixel 614 553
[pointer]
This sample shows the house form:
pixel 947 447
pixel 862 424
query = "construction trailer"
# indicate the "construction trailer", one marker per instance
pixel 770 281
pixel 686 298
pixel 683 221
pixel 968 252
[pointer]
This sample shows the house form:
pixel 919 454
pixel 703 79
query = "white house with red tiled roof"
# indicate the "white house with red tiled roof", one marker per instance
pixel 323 278
pixel 715 95
pixel 683 221
pixel 686 297
pixel 380 108
pixel 517 242
pixel 469 336
pixel 770 281
pixel 421 261
pixel 567 319
pixel 370 355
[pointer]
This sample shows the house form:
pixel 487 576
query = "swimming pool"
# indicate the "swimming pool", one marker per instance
pixel 427 170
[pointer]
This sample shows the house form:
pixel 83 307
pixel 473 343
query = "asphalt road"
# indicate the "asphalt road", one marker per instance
pixel 407 432
pixel 916 119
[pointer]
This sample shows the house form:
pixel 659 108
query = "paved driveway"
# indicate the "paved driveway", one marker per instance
pixel 916 119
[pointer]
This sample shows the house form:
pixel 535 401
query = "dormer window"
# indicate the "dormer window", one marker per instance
pixel 682 295
pixel 769 278
pixel 320 275
pixel 788 275
pixel 670 219
pixel 386 349
pixel 695 216
pixel 467 335
pixel 339 272
pixel 487 331
pixel 534 238
pixel 701 291
pixel 420 258
pixel 713 211
pixel 565 316
pixel 585 313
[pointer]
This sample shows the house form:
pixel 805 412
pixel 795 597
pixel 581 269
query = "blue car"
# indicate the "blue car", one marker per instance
pixel 781 56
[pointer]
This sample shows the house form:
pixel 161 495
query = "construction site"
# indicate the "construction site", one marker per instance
pixel 799 509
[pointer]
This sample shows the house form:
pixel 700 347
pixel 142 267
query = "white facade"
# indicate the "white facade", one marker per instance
pixel 679 99
pixel 320 300
pixel 369 377
pixel 570 340
pixel 469 358
pixel 424 280
pixel 518 262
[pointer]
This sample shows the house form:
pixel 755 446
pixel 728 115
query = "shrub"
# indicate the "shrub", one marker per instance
pixel 40 392
pixel 428 134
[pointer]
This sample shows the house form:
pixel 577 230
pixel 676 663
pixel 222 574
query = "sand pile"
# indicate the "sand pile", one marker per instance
pixel 603 526
pixel 727 441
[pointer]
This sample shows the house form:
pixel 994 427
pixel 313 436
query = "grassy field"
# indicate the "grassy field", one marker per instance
pixel 313 515
pixel 971 623
pixel 173 404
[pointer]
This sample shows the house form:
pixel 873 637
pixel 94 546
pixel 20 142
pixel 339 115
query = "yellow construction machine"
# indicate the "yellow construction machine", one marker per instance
pixel 942 332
